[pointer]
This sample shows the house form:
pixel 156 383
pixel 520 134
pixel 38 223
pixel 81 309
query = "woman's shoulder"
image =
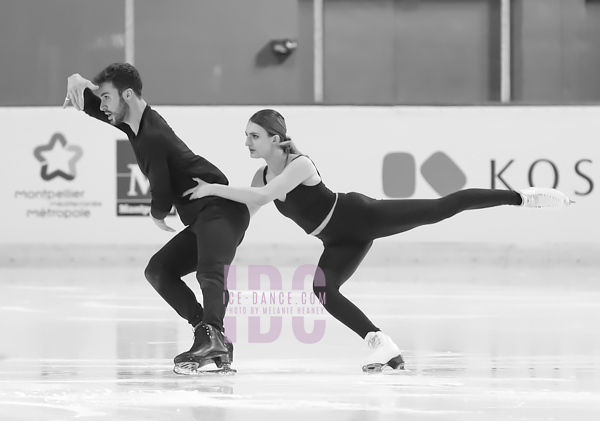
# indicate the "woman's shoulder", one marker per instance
pixel 294 156
pixel 303 161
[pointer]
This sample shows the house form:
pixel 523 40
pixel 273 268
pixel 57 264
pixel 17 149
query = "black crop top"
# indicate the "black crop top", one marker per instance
pixel 307 206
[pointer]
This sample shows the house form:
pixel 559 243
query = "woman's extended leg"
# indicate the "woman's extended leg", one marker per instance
pixel 359 218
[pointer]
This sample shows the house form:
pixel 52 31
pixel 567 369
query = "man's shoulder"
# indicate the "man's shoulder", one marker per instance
pixel 157 126
pixel 154 116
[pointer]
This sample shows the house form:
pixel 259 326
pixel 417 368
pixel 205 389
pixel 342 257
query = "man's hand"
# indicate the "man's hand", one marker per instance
pixel 160 223
pixel 75 87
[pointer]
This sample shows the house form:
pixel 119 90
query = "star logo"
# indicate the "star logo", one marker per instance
pixel 58 159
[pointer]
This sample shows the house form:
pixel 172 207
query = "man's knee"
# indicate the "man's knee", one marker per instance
pixel 156 275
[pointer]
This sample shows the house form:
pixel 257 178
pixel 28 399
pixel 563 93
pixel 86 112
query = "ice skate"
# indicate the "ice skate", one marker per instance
pixel 538 197
pixel 209 347
pixel 385 356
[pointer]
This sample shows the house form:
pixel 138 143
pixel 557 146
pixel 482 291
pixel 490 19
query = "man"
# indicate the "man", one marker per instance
pixel 214 226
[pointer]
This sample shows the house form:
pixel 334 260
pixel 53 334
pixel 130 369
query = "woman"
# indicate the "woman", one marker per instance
pixel 292 181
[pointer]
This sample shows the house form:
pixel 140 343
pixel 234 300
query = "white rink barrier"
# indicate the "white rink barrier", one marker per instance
pixel 68 179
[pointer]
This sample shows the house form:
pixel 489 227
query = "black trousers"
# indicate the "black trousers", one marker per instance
pixel 358 220
pixel 207 247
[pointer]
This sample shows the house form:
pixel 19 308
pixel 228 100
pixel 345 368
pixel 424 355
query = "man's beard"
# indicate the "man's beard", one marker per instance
pixel 122 112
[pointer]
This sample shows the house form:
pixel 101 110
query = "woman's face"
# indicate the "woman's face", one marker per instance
pixel 258 141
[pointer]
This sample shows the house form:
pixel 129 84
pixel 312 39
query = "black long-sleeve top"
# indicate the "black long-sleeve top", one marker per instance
pixel 165 160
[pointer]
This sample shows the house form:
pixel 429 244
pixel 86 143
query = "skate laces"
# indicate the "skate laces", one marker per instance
pixel 198 328
pixel 375 342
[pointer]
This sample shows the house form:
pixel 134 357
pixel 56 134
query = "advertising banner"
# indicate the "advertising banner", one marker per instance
pixel 67 178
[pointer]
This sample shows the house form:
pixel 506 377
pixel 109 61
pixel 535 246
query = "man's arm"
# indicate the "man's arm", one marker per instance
pixel 160 187
pixel 92 106
pixel 159 177
pixel 155 155
pixel 80 94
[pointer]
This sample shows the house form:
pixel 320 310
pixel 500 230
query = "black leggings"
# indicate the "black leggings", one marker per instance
pixel 206 246
pixel 358 220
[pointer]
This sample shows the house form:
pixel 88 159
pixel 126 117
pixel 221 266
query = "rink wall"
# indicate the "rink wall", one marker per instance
pixel 70 183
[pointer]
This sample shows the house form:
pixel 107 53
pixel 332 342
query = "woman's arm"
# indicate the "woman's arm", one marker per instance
pixel 295 173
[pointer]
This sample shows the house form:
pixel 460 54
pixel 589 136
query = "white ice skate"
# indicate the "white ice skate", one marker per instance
pixel 538 197
pixel 385 356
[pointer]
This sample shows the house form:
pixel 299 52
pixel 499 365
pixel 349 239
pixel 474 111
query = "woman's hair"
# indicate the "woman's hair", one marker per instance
pixel 274 124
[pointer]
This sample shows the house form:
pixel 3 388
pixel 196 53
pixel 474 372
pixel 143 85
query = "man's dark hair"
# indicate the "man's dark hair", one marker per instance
pixel 123 76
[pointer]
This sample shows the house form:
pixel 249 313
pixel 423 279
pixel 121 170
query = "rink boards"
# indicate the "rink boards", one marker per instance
pixel 68 179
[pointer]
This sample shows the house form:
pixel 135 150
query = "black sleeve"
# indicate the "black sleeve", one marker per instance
pixel 91 106
pixel 160 180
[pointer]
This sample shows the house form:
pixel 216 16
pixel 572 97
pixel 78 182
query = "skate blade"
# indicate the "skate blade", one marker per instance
pixel 195 369
pixel 394 365
pixel 218 359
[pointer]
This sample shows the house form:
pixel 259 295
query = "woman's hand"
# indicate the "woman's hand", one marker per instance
pixel 201 190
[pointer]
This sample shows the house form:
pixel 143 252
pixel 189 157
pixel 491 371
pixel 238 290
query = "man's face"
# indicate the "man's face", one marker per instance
pixel 112 104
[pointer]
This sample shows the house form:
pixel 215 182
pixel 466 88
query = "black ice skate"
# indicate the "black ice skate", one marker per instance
pixel 210 346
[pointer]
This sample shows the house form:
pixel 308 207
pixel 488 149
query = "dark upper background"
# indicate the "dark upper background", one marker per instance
pixel 208 52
